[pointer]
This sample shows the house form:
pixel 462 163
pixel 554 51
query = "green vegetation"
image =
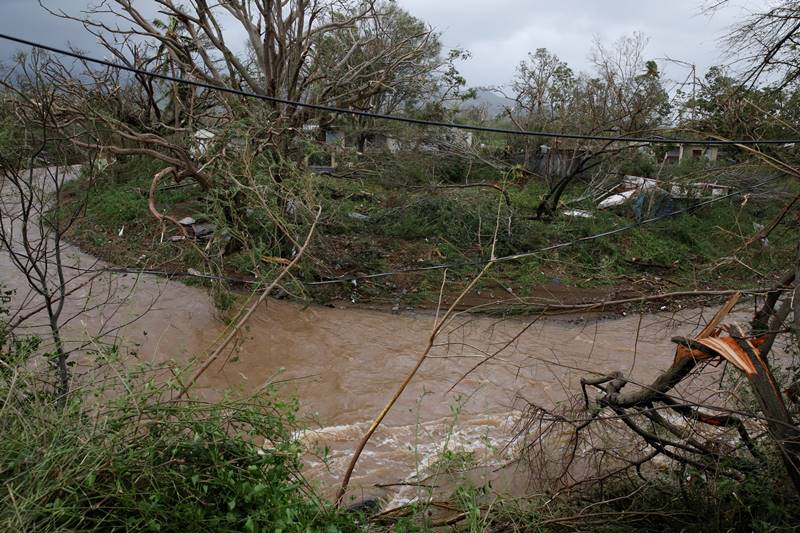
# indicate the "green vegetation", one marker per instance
pixel 397 221
pixel 140 461
pixel 115 223
pixel 147 464
pixel 123 454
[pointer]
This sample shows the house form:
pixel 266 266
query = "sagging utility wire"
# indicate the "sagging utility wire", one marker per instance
pixel 380 116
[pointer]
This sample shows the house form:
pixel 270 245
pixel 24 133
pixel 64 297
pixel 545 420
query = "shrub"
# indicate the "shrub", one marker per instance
pixel 144 462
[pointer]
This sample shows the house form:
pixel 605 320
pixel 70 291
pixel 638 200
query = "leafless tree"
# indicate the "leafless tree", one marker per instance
pixel 35 219
pixel 765 44
pixel 357 54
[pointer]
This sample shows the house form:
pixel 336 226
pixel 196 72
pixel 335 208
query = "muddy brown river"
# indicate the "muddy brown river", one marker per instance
pixel 343 365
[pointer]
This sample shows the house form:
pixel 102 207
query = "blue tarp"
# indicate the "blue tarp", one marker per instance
pixel 651 204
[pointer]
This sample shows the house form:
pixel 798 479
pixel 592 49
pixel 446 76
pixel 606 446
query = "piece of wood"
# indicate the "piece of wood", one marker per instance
pixel 779 422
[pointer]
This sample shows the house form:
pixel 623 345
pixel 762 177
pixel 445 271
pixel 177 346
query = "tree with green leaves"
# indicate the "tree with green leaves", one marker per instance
pixel 722 106
pixel 622 96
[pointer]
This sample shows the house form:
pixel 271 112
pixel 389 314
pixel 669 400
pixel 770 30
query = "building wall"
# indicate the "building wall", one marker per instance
pixel 696 151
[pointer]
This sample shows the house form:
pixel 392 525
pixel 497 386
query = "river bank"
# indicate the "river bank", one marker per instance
pixel 342 363
pixel 395 258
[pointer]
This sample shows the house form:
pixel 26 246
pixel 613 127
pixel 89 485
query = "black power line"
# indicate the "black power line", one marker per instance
pixel 380 116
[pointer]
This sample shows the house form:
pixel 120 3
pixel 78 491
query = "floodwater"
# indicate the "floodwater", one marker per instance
pixel 344 364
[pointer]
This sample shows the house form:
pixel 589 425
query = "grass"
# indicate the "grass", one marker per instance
pixel 115 223
pixel 396 220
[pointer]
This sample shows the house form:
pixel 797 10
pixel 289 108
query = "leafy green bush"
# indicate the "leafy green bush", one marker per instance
pixel 144 462
pixel 433 216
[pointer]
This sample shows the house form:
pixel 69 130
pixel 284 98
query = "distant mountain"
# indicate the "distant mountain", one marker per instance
pixel 493 102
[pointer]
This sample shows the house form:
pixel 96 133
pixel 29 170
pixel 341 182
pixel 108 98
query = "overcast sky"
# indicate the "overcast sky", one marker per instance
pixel 499 33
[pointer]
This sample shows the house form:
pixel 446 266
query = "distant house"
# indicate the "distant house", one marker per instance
pixel 203 140
pixel 330 139
pixel 558 159
pixel 334 137
pixel 689 151
pixel 375 142
pixel 458 138
pixel 335 140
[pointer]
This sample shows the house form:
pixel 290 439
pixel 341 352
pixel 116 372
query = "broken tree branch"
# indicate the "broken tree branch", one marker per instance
pixel 248 313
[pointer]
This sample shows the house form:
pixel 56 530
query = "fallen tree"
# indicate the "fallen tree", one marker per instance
pixel 665 418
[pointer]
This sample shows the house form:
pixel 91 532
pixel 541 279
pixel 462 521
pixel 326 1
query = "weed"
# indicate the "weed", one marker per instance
pixel 222 296
pixel 149 464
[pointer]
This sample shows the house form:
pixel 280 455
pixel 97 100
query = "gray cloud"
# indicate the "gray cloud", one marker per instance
pixel 28 20
pixel 499 33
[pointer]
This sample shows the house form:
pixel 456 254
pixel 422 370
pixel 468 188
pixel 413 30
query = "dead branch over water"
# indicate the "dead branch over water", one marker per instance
pixel 668 423
pixel 245 316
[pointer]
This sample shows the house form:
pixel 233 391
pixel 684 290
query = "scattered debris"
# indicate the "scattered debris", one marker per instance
pixel 121 231
pixel 577 213
pixel 639 183
pixel 204 230
pixel 186 221
pixel 652 203
pixel 195 273
pixel 177 238
pixel 368 506
pixel 649 200
pixel 759 228
pixel 617 199
pixel 276 260
pixel 639 262
pixel 280 294
pixel 699 190
pixel 322 169
pixel 358 216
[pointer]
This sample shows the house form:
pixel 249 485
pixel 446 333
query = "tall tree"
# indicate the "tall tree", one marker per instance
pixel 363 54
pixel 622 96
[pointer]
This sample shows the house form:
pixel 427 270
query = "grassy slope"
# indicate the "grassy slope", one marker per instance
pixel 420 226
